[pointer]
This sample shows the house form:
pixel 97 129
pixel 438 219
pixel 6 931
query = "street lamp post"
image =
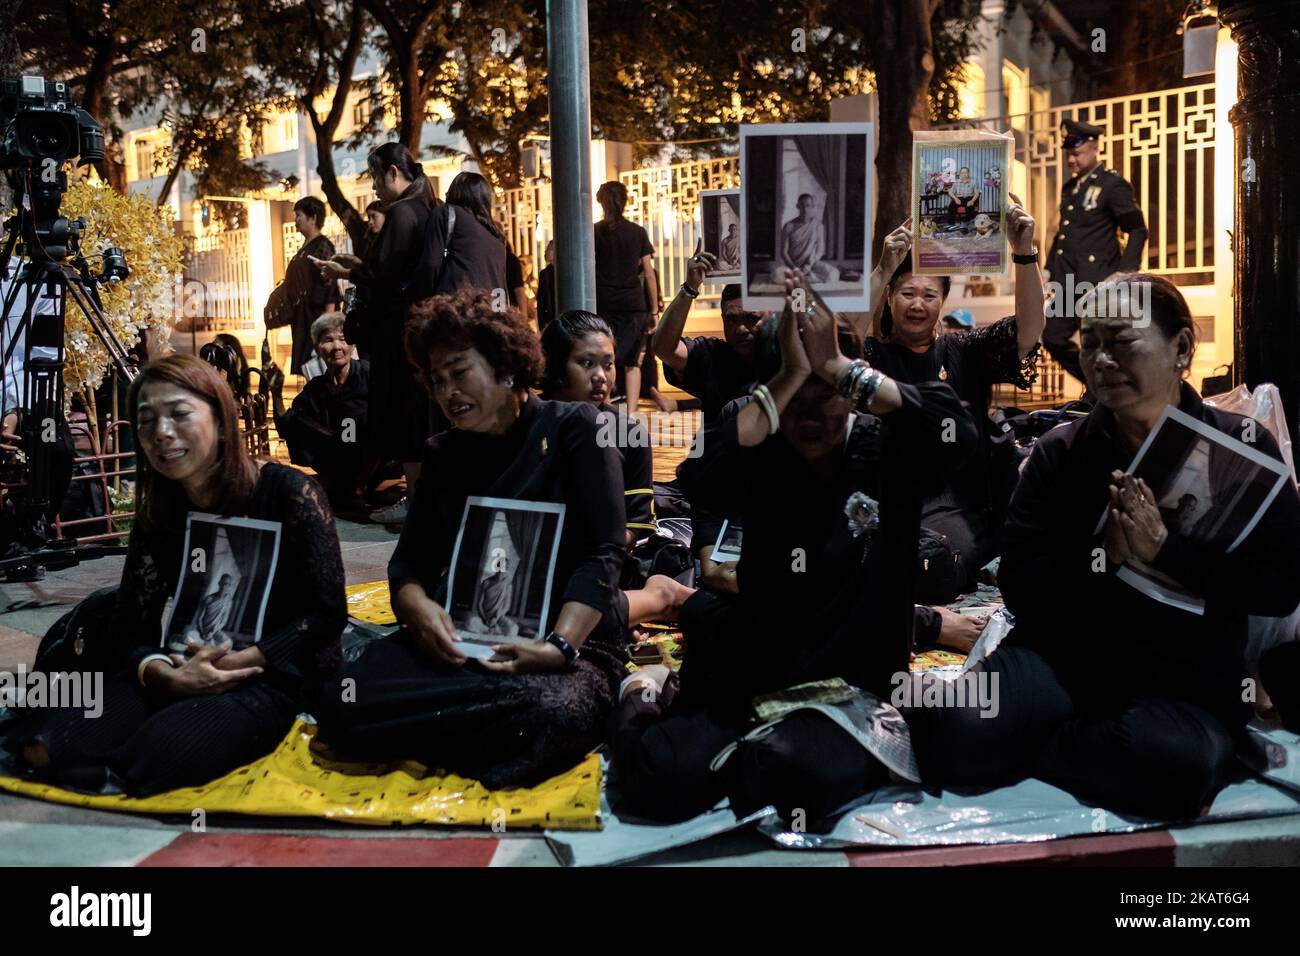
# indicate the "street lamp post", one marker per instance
pixel 570 104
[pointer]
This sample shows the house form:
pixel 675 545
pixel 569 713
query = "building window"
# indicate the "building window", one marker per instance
pixel 970 91
pixel 1015 93
pixel 143 159
pixel 360 113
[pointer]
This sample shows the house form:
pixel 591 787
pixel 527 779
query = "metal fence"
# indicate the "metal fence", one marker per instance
pixel 1162 142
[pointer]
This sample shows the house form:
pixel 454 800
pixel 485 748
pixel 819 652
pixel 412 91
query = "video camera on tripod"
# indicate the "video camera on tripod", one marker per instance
pixel 40 131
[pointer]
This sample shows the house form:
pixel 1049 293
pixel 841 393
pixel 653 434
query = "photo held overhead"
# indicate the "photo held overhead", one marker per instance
pixel 959 202
pixel 806 206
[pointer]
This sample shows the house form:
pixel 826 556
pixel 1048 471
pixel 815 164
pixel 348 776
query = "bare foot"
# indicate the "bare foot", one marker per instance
pixel 665 404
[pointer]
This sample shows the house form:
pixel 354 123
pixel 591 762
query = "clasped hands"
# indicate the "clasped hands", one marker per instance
pixel 807 337
pixel 1135 528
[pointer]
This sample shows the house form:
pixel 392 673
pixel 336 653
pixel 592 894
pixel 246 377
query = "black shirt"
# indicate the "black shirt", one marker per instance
pixel 397 251
pixel 550 454
pixel 714 374
pixel 311 292
pixel 972 362
pixel 313 424
pixel 633 443
pixel 620 245
pixel 546 306
pixel 1108 642
pixel 1092 208
pixel 824 601
pixel 474 257
pixel 514 275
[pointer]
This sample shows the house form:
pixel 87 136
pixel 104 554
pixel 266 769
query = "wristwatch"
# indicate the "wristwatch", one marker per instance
pixel 555 639
pixel 1028 259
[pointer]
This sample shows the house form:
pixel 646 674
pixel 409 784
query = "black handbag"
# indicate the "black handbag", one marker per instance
pixel 80 640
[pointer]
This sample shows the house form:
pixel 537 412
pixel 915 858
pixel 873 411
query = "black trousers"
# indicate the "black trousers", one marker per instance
pixel 1058 338
pixel 1154 757
pixel 156 744
pixel 394 703
pixel 807 767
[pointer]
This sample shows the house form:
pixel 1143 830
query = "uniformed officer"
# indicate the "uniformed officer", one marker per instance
pixel 1094 201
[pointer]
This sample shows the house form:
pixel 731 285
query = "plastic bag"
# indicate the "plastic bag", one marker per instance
pixel 1265 406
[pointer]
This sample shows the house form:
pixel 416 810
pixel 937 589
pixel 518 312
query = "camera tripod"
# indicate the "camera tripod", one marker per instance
pixel 52 273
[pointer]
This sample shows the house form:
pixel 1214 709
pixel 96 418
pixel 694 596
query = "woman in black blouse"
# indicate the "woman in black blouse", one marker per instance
pixel 181 720
pixel 579 354
pixel 907 346
pixel 326 427
pixel 399 409
pixel 830 461
pixel 536 708
pixel 1127 702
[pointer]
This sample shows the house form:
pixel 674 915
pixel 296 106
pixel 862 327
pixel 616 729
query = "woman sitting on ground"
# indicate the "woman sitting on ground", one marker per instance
pixel 183 719
pixel 1127 702
pixel 326 427
pixel 826 578
pixel 535 708
pixel 906 346
pixel 579 354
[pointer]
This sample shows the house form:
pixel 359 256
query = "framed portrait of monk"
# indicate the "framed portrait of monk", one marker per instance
pixel 805 205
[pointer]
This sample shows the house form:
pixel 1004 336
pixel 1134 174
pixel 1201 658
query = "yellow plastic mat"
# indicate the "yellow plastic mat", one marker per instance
pixel 294 781
pixel 370 603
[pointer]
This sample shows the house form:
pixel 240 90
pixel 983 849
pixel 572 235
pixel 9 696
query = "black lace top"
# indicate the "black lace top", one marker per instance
pixel 972 362
pixel 307 609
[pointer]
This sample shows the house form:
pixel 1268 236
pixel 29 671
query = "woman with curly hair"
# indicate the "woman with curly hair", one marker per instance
pixel 535 708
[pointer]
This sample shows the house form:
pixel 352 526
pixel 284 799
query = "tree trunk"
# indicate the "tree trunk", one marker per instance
pixel 324 130
pixel 111 169
pixel 901 37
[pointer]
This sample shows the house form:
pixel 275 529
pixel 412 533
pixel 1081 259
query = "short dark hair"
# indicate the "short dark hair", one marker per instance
pixel 730 292
pixel 767 347
pixel 558 339
pixel 312 207
pixel 612 196
pixel 468 320
pixel 374 206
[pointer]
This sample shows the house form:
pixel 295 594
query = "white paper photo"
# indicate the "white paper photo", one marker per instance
pixel 502 569
pixel 225 582
pixel 806 205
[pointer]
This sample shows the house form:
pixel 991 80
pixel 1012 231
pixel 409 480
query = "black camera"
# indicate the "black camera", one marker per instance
pixel 38 124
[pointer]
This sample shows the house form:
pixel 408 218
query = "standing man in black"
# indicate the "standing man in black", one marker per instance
pixel 1095 201
pixel 626 284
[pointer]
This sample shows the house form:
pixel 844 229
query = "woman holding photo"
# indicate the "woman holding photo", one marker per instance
pixel 826 578
pixel 536 708
pixel 1128 703
pixel 906 345
pixel 182 720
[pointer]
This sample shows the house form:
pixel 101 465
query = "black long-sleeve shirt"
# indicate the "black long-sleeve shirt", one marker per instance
pixel 1108 641
pixel 550 454
pixel 307 608
pixel 385 273
pixel 313 427
pixel 826 602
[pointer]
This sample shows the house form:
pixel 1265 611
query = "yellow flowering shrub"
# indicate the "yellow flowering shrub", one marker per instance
pixel 145 301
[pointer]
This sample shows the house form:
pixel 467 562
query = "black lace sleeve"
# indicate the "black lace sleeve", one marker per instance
pixel 308 595
pixel 995 351
pixel 141 596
